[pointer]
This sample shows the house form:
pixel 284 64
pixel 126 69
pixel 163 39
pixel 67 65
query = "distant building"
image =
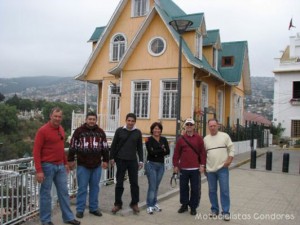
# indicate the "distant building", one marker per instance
pixel 287 89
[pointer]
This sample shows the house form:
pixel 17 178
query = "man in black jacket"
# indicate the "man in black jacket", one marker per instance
pixel 125 147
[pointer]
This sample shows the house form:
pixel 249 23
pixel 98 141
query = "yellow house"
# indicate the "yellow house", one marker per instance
pixel 135 61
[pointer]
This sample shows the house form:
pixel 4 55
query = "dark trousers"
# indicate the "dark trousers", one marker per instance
pixel 189 195
pixel 132 167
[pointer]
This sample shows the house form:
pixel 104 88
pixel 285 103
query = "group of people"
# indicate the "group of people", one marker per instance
pixel 89 153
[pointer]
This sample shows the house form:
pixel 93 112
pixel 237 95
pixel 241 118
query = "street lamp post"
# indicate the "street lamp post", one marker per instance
pixel 180 26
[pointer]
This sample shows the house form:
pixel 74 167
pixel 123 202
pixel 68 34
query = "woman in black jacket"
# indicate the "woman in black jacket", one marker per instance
pixel 157 148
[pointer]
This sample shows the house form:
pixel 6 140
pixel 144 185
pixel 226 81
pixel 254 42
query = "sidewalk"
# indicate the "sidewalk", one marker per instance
pixel 257 197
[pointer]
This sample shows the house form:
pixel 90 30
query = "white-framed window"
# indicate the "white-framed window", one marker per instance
pixel 168 99
pixel 199 44
pixel 139 7
pixel 237 107
pixel 141 98
pixel 204 96
pixel 215 58
pixel 220 97
pixel 157 46
pixel 117 47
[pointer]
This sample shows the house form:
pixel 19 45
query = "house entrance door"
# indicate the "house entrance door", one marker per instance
pixel 113 108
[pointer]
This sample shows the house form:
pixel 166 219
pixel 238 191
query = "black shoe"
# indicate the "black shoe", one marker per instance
pixel 183 209
pixel 79 214
pixel 74 222
pixel 49 223
pixel 96 213
pixel 193 212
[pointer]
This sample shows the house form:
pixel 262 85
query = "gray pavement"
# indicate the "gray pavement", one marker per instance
pixel 258 196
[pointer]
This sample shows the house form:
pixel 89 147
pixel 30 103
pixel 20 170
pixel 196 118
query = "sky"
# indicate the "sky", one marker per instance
pixel 49 37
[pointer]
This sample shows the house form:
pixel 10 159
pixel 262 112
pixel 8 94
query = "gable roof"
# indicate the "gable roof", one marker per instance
pixel 96 35
pixel 212 39
pixel 237 50
pixel 168 11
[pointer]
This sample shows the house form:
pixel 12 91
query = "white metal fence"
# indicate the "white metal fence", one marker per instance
pixel 20 192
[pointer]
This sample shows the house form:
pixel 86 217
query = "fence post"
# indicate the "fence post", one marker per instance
pixel 253 159
pixel 285 162
pixel 269 157
pixel 204 122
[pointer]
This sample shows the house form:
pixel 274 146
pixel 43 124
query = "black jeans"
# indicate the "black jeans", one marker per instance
pixel 132 167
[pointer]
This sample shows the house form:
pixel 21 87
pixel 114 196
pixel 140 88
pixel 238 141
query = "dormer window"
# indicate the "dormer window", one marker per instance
pixel 140 7
pixel 199 43
pixel 227 61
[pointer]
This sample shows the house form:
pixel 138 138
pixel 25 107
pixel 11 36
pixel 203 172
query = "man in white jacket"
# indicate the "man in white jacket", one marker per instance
pixel 220 153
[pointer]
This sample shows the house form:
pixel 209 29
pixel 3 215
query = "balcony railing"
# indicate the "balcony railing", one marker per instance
pixel 109 123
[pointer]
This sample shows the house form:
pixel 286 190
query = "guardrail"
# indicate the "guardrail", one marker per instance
pixel 20 192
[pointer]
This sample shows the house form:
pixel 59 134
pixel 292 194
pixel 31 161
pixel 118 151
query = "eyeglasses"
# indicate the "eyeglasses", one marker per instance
pixel 61 137
pixel 189 124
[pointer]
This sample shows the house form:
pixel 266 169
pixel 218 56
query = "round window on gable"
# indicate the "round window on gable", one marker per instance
pixel 157 46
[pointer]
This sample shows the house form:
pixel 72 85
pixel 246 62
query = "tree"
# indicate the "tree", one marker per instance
pixel 8 119
pixel 2 97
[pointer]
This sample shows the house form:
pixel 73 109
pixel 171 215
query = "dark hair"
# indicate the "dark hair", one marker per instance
pixel 156 124
pixel 91 113
pixel 212 119
pixel 131 115
pixel 55 109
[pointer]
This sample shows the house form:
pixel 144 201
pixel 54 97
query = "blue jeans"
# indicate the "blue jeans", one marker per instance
pixel 57 174
pixel 88 178
pixel 155 172
pixel 221 175
pixel 189 196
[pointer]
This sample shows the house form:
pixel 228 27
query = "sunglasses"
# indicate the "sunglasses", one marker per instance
pixel 189 124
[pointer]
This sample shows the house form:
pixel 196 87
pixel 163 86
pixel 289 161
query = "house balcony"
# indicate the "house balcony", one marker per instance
pixel 109 123
pixel 295 101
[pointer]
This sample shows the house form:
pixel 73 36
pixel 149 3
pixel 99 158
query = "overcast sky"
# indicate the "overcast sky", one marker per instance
pixel 49 37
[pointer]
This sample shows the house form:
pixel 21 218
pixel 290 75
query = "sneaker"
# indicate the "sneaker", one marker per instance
pixel 226 217
pixel 213 215
pixel 183 209
pixel 79 214
pixel 150 210
pixel 157 208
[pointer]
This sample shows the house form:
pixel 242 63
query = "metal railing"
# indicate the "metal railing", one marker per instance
pixel 19 190
pixel 109 123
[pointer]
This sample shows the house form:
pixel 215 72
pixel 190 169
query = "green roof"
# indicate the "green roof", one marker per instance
pixel 96 35
pixel 170 8
pixel 233 74
pixel 211 38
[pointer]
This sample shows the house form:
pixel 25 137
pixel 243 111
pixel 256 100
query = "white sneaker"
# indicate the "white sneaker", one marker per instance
pixel 150 210
pixel 157 208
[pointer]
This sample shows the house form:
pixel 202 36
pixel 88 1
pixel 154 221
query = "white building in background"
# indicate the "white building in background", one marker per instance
pixel 287 89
